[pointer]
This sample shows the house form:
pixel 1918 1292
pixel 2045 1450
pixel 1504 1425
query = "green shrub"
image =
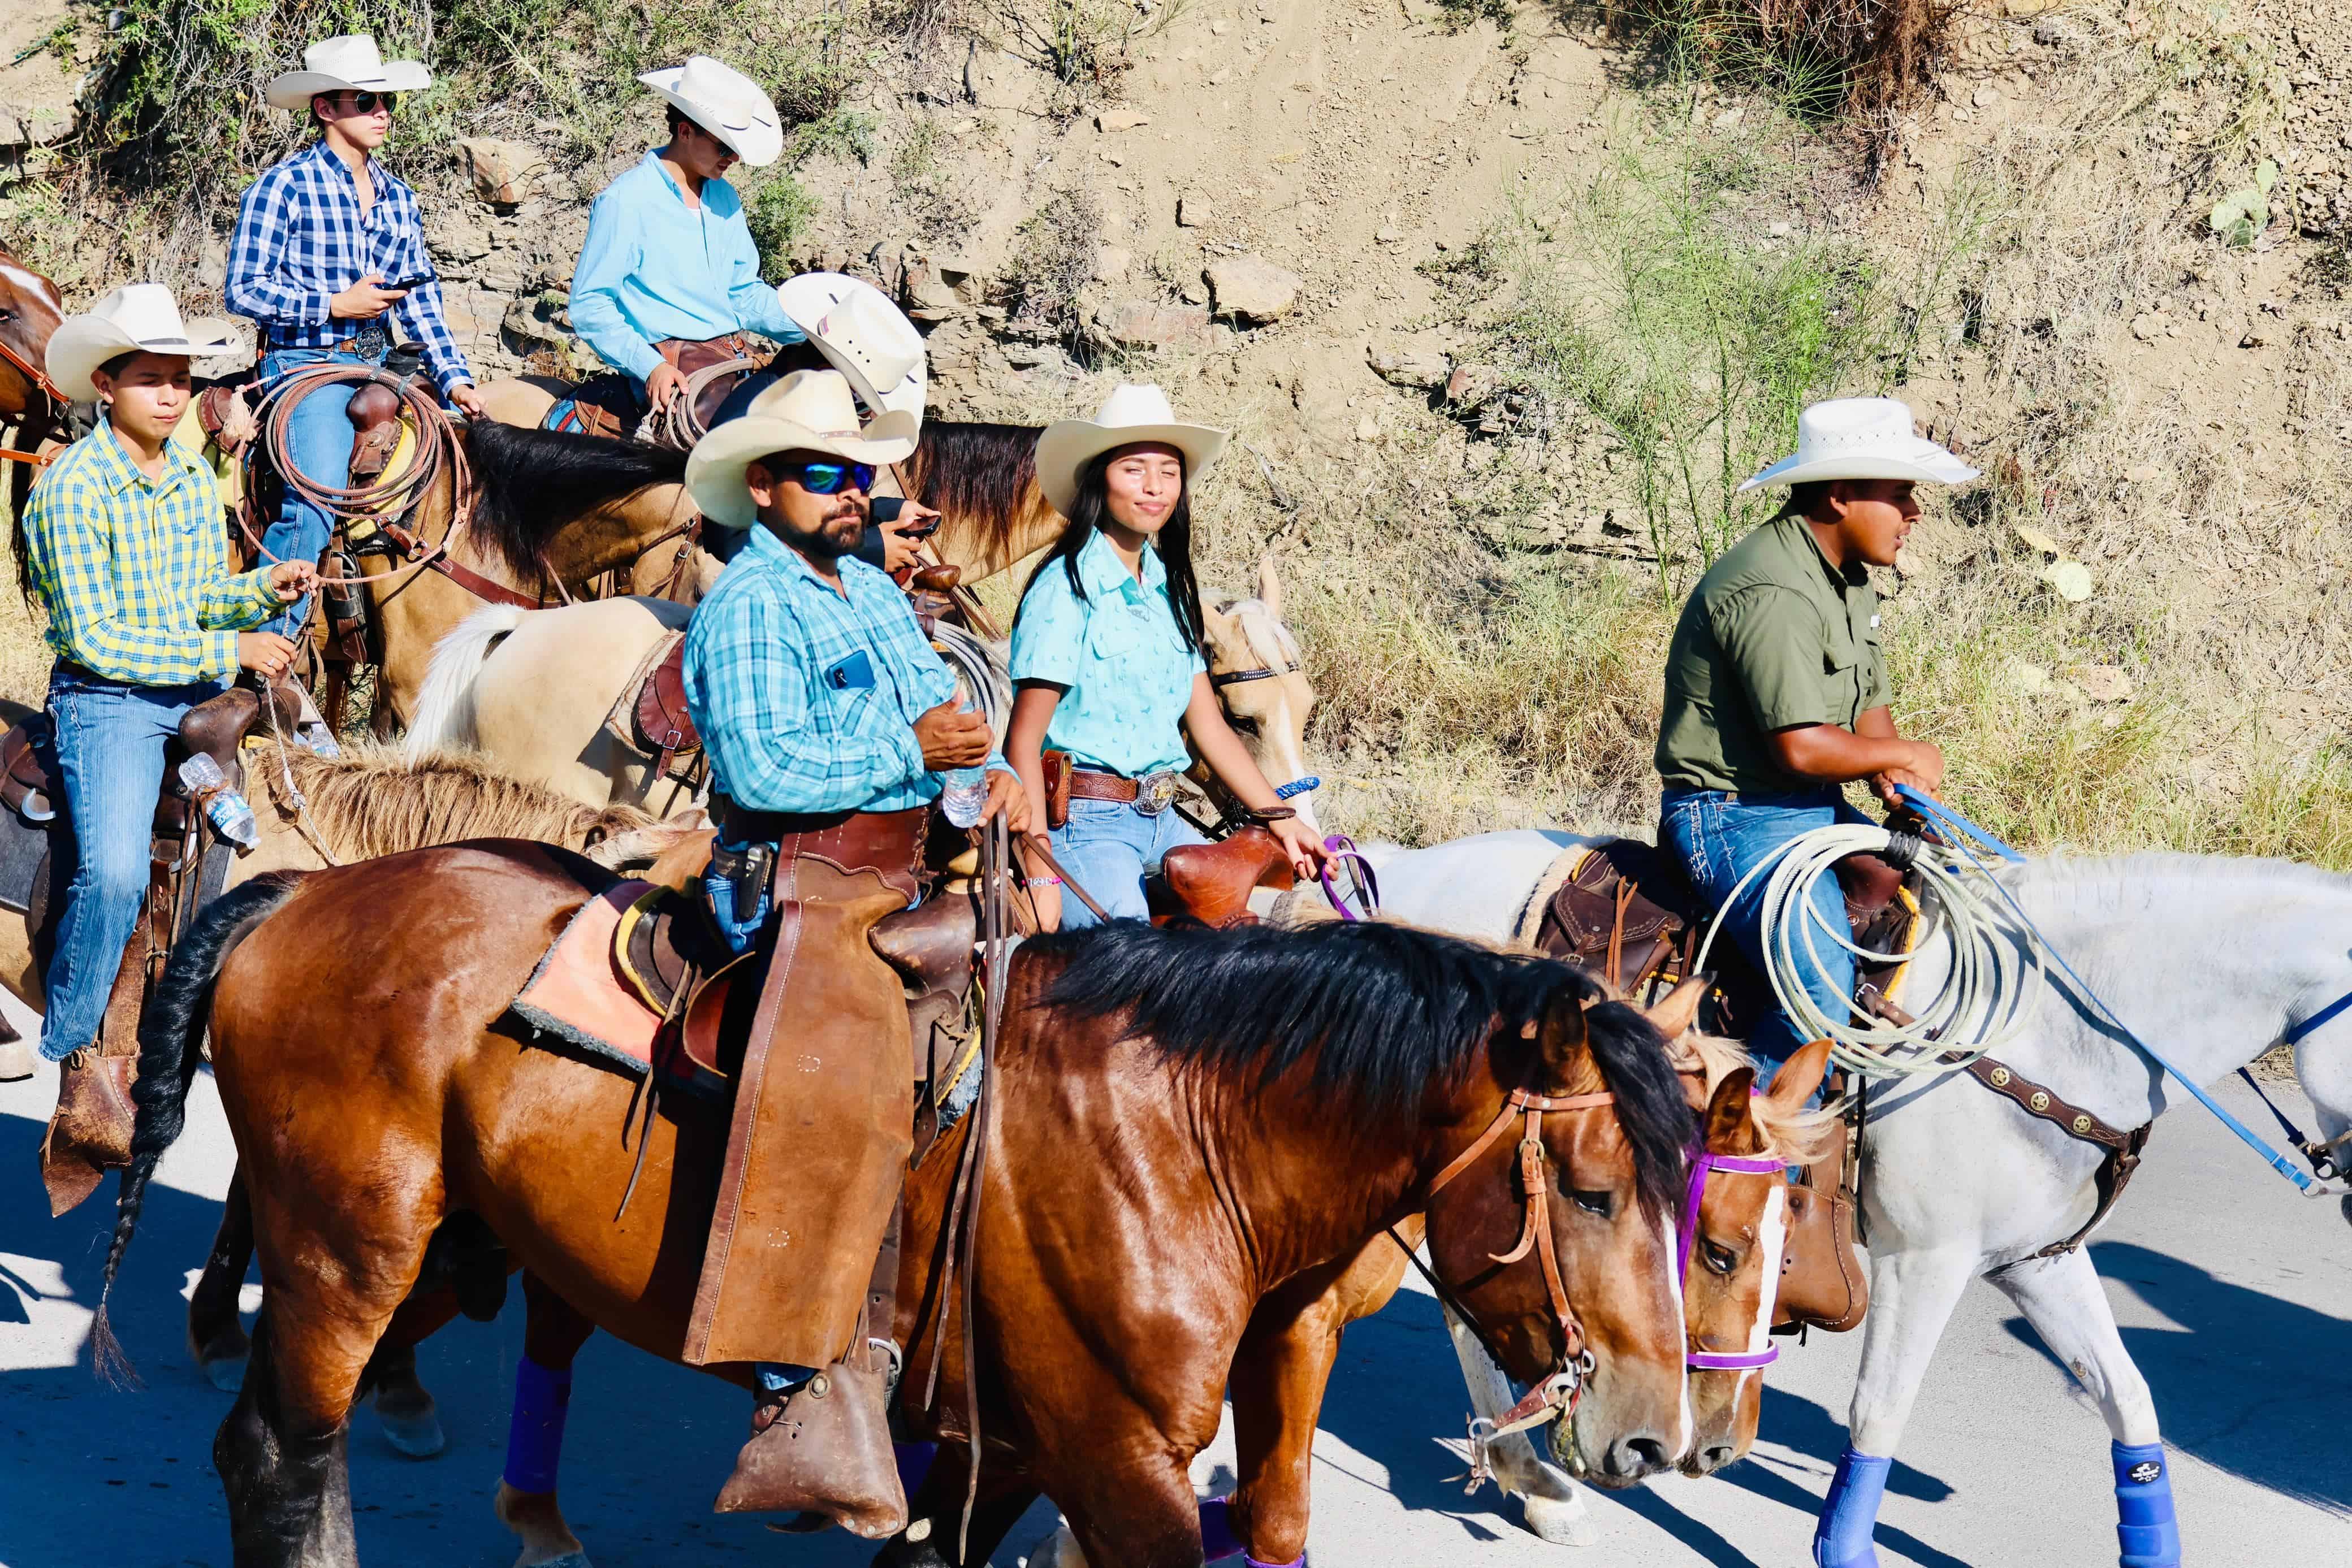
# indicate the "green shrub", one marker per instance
pixel 779 211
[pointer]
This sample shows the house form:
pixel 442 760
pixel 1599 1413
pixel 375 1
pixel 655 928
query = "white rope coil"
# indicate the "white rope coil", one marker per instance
pixel 1997 965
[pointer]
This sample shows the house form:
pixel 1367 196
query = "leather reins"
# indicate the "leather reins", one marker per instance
pixel 1556 1394
pixel 38 380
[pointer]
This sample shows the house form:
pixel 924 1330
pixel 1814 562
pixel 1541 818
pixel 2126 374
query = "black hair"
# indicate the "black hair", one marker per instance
pixel 1804 499
pixel 112 368
pixel 1091 510
pixel 1381 1011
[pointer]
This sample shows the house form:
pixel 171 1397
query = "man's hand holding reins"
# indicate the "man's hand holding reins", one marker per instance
pixel 952 739
pixel 290 579
pixel 663 384
pixel 466 395
pixel 264 653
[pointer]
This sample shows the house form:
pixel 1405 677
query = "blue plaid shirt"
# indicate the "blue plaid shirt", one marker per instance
pixel 301 240
pixel 806 700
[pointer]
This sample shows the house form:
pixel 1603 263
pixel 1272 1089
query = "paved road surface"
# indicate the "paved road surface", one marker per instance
pixel 2234 1294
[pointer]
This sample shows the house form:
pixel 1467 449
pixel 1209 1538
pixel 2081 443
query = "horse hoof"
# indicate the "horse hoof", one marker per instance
pixel 418 1435
pixel 1562 1521
pixel 226 1373
pixel 1059 1550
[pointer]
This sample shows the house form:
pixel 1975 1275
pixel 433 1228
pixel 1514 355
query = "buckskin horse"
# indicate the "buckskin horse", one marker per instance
pixel 1214 1111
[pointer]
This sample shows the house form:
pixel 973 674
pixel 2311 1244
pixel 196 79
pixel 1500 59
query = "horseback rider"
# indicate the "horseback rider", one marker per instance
pixel 668 279
pixel 121 546
pixel 826 717
pixel 1107 664
pixel 1776 689
pixel 329 261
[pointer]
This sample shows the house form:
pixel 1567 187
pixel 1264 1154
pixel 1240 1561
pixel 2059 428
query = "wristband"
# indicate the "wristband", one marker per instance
pixel 1271 815
pixel 1041 881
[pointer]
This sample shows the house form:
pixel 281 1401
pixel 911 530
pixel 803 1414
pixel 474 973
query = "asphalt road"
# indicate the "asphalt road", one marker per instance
pixel 2232 1293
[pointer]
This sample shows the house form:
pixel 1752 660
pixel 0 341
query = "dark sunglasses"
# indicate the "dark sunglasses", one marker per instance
pixel 366 102
pixel 833 478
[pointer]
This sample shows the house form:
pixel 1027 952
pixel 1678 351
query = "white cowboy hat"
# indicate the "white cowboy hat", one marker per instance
pixel 134 317
pixel 1862 438
pixel 725 102
pixel 862 335
pixel 348 64
pixel 808 411
pixel 1132 414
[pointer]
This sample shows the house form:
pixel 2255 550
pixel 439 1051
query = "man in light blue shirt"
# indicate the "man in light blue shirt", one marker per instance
pixel 668 280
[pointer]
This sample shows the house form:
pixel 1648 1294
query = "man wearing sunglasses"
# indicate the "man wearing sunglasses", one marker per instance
pixel 668 280
pixel 329 262
pixel 827 719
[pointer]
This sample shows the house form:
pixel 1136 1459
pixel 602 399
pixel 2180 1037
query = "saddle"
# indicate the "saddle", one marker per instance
pixel 609 404
pixel 651 715
pixel 90 1131
pixel 1212 884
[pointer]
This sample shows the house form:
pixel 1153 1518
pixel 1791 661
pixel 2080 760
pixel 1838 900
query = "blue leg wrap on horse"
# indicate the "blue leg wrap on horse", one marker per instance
pixel 535 1437
pixel 1218 1540
pixel 915 1463
pixel 1842 1540
pixel 2146 1526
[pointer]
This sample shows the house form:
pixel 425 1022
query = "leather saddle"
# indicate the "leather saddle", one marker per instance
pixel 652 715
pixel 1212 884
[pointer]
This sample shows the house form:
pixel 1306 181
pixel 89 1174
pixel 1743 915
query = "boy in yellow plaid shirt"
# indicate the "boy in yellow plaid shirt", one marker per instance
pixel 122 544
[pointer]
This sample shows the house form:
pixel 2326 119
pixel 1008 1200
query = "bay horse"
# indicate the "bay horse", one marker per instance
pixel 32 410
pixel 1214 1112
pixel 533 690
pixel 2215 960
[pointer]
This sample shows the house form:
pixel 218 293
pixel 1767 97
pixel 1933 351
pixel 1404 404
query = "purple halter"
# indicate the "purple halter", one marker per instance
pixel 1701 1162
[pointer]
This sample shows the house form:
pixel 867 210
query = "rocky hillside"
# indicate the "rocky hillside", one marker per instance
pixel 1497 295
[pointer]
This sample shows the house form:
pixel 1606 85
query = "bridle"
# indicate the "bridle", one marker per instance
pixel 1555 1397
pixel 1262 672
pixel 1701 1162
pixel 39 381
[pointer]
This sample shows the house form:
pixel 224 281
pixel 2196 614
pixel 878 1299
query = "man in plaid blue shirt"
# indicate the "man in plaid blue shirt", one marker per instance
pixel 329 260
pixel 122 548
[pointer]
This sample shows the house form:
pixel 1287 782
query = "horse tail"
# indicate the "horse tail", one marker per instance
pixel 169 1037
pixel 444 719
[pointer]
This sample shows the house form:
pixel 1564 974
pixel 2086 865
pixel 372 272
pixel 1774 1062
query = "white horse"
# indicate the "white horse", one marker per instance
pixel 2212 960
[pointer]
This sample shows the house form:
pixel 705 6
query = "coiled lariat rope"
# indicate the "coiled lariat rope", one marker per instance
pixel 676 422
pixel 1996 963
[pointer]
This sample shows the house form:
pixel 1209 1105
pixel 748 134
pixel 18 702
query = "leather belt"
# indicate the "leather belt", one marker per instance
pixel 1150 795
pixel 369 343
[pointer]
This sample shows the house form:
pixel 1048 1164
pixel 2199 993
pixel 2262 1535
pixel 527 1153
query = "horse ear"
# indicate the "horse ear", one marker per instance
pixel 1798 1077
pixel 1730 1122
pixel 1673 1017
pixel 1269 585
pixel 1561 1042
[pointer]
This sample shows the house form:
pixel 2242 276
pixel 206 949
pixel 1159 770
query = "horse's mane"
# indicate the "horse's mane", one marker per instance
pixel 1380 1011
pixel 1268 638
pixel 968 467
pixel 529 484
pixel 370 801
pixel 1799 1139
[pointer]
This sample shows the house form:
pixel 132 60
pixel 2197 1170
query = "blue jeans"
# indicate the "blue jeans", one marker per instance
pixel 1110 848
pixel 110 761
pixel 1721 838
pixel 319 443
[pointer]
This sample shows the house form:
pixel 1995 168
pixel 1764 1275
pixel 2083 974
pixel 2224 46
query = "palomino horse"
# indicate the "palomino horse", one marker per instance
pixel 533 690
pixel 1298 1091
pixel 32 408
pixel 2214 959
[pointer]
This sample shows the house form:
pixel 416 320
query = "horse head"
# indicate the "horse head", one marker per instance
pixel 1261 682
pixel 1731 1259
pixel 1565 1251
pixel 30 310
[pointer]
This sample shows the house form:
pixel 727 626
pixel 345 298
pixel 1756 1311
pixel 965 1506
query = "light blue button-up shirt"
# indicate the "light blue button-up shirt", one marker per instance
pixel 654 268
pixel 1128 672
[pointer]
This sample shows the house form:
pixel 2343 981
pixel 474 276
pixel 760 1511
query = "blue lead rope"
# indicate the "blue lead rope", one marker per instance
pixel 1957 830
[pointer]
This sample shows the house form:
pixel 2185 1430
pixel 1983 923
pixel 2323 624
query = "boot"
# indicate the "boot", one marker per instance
pixel 90 1132
pixel 822 1448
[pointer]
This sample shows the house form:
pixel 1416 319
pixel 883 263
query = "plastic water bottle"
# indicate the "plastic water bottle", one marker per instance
pixel 223 808
pixel 964 792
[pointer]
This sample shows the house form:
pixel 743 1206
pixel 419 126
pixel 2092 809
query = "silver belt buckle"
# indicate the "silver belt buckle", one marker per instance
pixel 369 342
pixel 1154 793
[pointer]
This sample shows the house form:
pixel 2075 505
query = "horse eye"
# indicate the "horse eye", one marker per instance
pixel 1600 1203
pixel 6 314
pixel 1242 724
pixel 1720 1258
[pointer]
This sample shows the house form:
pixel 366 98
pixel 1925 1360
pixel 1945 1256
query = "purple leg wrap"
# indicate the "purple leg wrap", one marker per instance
pixel 915 1463
pixel 535 1437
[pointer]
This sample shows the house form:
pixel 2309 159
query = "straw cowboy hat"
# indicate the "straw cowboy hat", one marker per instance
pixel 862 335
pixel 808 411
pixel 348 64
pixel 725 102
pixel 1132 414
pixel 1862 438
pixel 135 316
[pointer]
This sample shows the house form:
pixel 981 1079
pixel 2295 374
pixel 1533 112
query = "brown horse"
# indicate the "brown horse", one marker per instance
pixel 31 410
pixel 1214 1112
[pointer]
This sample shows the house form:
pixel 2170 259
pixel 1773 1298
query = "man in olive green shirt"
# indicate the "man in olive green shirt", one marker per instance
pixel 1776 682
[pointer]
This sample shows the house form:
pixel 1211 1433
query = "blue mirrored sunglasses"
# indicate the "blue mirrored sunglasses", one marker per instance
pixel 833 478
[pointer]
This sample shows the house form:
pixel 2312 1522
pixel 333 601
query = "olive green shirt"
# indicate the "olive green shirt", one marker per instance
pixel 1773 637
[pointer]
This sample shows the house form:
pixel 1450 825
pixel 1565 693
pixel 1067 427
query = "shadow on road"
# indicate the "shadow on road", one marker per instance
pixel 2246 1381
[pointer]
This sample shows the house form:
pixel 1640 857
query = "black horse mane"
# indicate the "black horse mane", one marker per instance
pixel 529 484
pixel 977 469
pixel 1381 1012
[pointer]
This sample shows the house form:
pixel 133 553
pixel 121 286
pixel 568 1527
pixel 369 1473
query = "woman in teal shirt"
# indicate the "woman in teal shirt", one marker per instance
pixel 1107 657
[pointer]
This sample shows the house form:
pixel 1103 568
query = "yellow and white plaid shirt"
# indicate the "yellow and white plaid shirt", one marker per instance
pixel 134 571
